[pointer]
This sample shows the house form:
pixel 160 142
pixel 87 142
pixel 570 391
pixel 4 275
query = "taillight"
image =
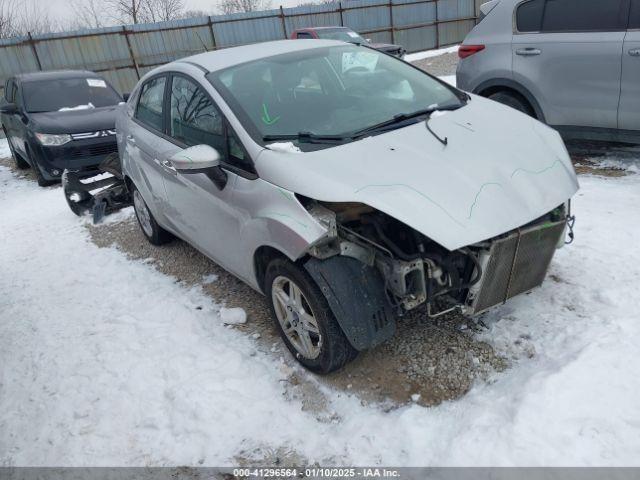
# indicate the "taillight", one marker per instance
pixel 467 50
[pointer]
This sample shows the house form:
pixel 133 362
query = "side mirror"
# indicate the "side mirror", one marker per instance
pixel 125 96
pixel 196 159
pixel 9 108
pixel 200 159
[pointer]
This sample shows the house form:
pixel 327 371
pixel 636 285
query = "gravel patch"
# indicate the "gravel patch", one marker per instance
pixel 440 66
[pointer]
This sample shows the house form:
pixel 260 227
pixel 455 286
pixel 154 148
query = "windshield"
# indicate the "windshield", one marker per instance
pixel 327 91
pixel 68 94
pixel 342 34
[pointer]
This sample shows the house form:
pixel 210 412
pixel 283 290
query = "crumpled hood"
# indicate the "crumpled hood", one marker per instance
pixel 76 121
pixel 500 170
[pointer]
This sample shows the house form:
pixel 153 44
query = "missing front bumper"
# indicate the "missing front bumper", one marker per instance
pixel 514 265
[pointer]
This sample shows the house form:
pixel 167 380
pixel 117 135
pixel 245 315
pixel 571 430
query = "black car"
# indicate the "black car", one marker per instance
pixel 59 119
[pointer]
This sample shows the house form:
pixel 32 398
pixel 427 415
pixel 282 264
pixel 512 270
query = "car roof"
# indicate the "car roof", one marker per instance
pixel 55 75
pixel 229 57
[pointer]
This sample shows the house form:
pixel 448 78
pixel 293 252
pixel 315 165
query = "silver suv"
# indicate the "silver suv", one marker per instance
pixel 574 64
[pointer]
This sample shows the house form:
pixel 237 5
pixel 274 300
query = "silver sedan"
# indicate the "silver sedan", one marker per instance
pixel 346 185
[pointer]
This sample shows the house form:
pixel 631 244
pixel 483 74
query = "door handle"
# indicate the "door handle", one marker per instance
pixel 634 52
pixel 528 52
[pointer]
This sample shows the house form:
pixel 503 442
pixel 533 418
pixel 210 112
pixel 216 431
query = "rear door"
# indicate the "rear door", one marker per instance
pixel 629 114
pixel 568 53
pixel 145 140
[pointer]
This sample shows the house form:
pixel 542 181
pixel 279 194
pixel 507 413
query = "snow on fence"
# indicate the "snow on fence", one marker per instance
pixel 124 54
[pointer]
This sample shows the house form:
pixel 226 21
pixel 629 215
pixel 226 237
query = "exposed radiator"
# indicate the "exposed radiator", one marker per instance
pixel 516 264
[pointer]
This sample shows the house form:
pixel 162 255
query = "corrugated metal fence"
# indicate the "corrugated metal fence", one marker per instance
pixel 123 54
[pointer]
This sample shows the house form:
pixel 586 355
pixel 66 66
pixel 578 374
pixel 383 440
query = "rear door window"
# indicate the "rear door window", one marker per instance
pixel 551 16
pixel 585 15
pixel 150 104
pixel 529 16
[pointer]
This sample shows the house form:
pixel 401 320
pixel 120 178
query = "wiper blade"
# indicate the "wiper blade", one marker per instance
pixel 307 137
pixel 403 117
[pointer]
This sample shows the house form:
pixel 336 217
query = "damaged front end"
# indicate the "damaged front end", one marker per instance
pixel 415 270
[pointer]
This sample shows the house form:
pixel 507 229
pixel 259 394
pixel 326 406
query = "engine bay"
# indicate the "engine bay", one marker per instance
pixel 417 270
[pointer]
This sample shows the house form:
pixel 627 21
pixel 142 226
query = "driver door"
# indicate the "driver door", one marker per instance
pixel 203 213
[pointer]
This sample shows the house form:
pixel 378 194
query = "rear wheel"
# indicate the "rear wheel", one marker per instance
pixel 150 228
pixel 305 320
pixel 513 100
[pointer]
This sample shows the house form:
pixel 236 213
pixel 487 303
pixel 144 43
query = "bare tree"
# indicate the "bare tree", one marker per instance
pixel 195 13
pixel 18 17
pixel 90 13
pixel 234 6
pixel 162 10
pixel 127 11
pixel 8 18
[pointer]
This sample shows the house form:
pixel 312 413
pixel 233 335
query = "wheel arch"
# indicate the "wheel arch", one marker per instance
pixel 262 257
pixel 128 183
pixel 496 85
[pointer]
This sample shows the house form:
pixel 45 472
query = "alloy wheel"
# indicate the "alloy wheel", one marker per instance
pixel 296 317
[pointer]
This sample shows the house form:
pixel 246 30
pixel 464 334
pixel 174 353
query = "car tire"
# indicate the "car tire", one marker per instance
pixel 304 319
pixel 150 228
pixel 42 182
pixel 20 163
pixel 514 101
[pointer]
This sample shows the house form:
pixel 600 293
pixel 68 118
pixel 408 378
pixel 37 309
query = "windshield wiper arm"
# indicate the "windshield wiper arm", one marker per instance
pixel 306 137
pixel 403 117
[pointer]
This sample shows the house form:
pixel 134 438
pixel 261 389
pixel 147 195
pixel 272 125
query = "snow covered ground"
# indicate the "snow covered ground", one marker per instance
pixel 450 79
pixel 412 57
pixel 106 361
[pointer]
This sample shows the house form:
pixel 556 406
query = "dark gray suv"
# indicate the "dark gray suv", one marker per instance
pixel 574 64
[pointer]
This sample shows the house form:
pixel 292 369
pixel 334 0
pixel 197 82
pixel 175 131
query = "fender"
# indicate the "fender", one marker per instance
pixel 513 85
pixel 357 297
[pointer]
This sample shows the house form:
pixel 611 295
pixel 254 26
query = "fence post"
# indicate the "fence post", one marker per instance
pixel 213 35
pixel 133 57
pixel 340 11
pixel 437 27
pixel 32 44
pixel 284 23
pixel 393 35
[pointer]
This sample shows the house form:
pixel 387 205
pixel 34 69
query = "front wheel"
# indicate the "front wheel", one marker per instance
pixel 42 182
pixel 20 163
pixel 305 320
pixel 150 228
